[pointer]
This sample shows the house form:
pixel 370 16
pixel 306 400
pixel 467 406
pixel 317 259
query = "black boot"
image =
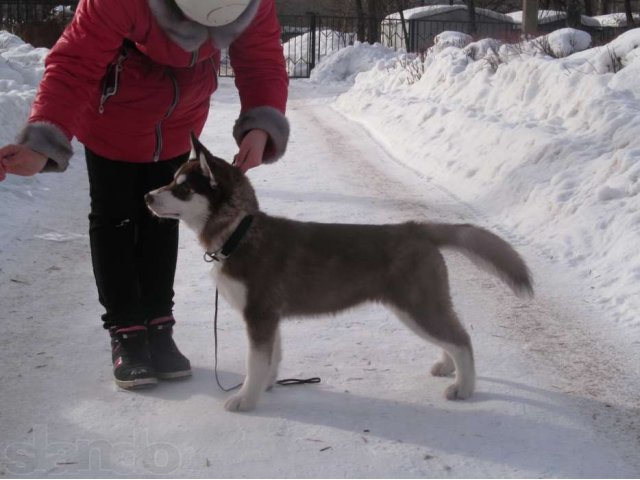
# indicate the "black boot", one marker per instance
pixel 132 365
pixel 166 359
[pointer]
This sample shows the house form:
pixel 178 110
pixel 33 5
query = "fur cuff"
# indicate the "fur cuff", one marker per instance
pixel 48 139
pixel 189 35
pixel 272 121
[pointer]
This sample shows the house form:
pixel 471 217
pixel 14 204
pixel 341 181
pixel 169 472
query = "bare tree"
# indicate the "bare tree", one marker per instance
pixel 374 13
pixel 471 6
pixel 405 30
pixel 360 21
pixel 574 13
pixel 628 13
pixel 529 17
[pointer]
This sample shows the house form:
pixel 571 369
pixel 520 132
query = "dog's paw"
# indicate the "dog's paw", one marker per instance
pixel 442 369
pixel 273 381
pixel 240 403
pixel 457 392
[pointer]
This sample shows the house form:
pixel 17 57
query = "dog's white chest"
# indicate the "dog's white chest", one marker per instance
pixel 233 291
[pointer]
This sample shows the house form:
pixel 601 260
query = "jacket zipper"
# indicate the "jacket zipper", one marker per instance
pixel 172 107
pixel 194 58
pixel 109 91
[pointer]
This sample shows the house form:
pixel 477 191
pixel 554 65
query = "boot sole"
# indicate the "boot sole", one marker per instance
pixel 138 383
pixel 174 375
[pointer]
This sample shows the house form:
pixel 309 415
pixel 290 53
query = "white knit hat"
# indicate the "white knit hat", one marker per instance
pixel 213 13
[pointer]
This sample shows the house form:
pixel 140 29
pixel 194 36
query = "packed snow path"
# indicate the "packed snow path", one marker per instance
pixel 555 397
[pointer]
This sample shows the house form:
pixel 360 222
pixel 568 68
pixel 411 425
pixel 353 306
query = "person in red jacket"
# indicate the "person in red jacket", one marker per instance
pixel 131 79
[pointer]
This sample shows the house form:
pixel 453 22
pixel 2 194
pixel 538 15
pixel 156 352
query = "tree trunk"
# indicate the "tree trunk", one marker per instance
pixel 573 14
pixel 471 6
pixel 605 7
pixel 360 21
pixel 588 8
pixel 529 17
pixel 405 31
pixel 628 13
pixel 373 7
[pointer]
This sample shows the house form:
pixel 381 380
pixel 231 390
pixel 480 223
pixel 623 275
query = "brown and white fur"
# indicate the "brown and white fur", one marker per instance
pixel 283 268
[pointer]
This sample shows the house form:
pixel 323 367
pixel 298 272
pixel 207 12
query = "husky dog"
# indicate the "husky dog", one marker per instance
pixel 270 268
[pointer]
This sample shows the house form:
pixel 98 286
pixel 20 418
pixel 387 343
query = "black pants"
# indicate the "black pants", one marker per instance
pixel 134 254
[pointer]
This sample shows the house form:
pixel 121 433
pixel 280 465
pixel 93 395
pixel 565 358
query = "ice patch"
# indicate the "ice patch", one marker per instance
pixel 60 237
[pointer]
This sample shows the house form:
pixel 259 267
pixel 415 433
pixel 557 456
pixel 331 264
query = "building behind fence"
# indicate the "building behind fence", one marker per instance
pixel 306 38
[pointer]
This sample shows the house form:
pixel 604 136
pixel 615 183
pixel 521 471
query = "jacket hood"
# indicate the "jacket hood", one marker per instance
pixel 190 35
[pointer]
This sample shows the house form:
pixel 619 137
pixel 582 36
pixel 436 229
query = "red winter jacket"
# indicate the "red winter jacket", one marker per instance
pixel 131 78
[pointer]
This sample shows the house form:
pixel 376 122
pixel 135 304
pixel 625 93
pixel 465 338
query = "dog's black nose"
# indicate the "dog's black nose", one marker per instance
pixel 148 198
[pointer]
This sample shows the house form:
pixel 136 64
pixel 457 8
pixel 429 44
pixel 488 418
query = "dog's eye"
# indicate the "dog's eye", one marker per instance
pixel 182 190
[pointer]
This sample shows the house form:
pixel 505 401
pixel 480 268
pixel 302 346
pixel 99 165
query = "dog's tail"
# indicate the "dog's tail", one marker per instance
pixel 487 250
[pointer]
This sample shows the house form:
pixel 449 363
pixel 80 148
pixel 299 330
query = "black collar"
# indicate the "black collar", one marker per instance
pixel 232 243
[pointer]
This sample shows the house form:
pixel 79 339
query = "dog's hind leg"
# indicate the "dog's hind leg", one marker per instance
pixel 448 333
pixel 462 355
pixel 262 336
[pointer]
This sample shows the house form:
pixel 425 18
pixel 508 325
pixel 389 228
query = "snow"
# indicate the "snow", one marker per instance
pixel 298 48
pixel 427 11
pixel 543 151
pixel 550 16
pixel 549 146
pixel 21 68
pixel 347 62
pixel 614 19
pixel 544 16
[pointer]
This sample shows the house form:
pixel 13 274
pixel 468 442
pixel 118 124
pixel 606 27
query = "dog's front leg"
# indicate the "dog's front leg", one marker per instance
pixel 276 357
pixel 261 343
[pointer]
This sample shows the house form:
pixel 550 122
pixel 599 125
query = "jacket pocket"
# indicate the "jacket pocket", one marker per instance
pixel 111 82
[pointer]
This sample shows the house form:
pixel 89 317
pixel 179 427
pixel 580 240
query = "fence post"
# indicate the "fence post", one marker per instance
pixel 313 18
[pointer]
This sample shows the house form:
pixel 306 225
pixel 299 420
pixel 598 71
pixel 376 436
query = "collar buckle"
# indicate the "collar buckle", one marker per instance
pixel 232 242
pixel 210 257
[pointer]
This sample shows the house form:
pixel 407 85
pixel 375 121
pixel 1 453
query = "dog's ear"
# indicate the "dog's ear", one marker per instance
pixel 198 152
pixel 214 168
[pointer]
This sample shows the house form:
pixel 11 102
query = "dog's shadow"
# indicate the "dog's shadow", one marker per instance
pixel 492 428
pixel 489 427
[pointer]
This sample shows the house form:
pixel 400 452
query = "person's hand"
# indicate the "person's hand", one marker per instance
pixel 20 160
pixel 251 150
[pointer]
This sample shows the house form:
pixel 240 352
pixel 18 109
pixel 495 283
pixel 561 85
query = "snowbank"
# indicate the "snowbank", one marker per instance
pixel 548 148
pixel 349 61
pixel 614 19
pixel 21 69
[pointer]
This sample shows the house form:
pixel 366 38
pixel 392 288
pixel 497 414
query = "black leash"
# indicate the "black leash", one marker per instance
pixel 284 382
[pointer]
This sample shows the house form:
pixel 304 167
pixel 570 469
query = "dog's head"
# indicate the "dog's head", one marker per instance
pixel 208 194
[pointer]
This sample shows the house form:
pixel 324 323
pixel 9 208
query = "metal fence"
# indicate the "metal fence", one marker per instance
pixel 27 11
pixel 307 39
pixel 416 35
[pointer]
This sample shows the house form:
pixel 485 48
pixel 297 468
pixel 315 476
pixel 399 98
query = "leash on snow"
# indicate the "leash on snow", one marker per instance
pixel 284 382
